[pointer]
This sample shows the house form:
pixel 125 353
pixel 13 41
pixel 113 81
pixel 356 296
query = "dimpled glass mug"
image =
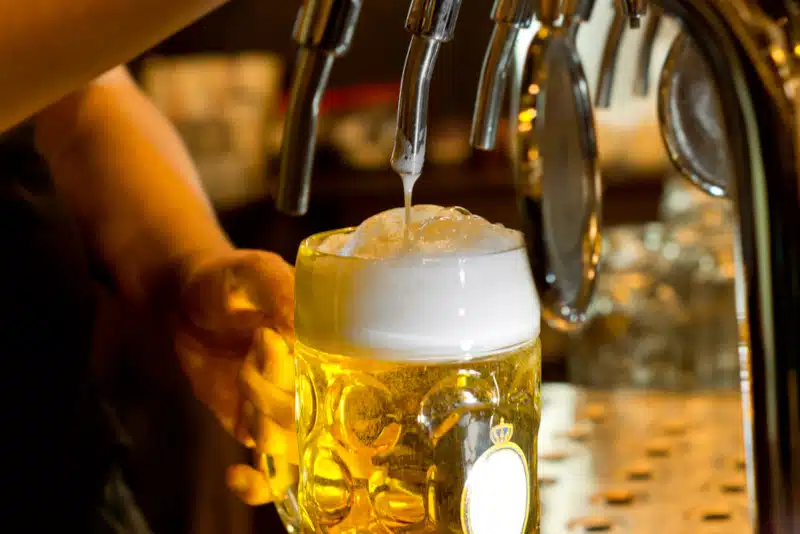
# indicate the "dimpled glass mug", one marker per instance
pixel 417 379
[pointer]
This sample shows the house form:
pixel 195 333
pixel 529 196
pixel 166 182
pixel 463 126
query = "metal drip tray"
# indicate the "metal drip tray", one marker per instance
pixel 641 462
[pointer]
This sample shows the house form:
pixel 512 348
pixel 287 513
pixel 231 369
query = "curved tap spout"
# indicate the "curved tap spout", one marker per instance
pixel 310 78
pixel 608 62
pixel 324 30
pixel 408 155
pixel 641 80
pixel 431 22
pixel 509 16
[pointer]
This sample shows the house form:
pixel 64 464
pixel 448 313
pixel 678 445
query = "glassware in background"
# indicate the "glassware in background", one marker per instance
pixel 632 338
pixel 664 314
pixel 700 249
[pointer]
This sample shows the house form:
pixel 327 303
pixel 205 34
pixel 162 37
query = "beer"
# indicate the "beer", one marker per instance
pixel 418 377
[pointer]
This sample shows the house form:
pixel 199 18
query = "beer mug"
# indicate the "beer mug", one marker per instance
pixel 418 390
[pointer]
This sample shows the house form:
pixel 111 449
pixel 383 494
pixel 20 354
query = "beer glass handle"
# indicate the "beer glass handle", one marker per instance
pixel 273 467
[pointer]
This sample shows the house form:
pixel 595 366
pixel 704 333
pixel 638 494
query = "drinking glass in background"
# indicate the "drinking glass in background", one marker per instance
pixel 664 313
pixel 632 338
pixel 700 247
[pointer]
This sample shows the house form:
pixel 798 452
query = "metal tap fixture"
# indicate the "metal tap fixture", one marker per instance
pixel 557 180
pixel 634 11
pixel 324 30
pixel 509 17
pixel 730 115
pixel 641 81
pixel 431 23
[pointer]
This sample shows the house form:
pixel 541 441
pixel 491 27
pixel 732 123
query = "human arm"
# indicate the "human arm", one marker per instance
pixel 129 180
pixel 49 48
pixel 127 177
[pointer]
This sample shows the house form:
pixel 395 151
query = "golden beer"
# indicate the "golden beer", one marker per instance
pixel 397 434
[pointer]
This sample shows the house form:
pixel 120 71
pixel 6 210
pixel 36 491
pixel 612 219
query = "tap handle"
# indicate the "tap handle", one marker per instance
pixel 324 30
pixel 433 19
pixel 578 11
pixel 634 10
pixel 517 13
pixel 327 25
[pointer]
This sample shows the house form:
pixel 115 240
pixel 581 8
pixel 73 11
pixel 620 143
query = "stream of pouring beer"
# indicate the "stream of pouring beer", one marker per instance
pixel 408 188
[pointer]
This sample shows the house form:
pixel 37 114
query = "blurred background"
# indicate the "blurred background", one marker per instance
pixel 669 256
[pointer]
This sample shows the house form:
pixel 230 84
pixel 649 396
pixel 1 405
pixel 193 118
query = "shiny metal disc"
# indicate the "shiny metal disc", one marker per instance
pixel 691 120
pixel 561 200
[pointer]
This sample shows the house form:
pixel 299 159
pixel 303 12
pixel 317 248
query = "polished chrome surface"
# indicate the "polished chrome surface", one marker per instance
pixel 608 62
pixel 558 180
pixel 641 81
pixel 509 16
pixel 431 22
pixel 641 462
pixel 312 70
pixel 750 53
pixel 433 19
pixel 691 120
pixel 581 11
pixel 324 30
pixel 750 49
pixel 634 11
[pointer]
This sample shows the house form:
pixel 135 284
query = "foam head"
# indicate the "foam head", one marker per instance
pixel 460 288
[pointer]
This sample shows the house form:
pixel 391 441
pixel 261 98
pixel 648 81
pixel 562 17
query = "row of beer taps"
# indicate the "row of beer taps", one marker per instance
pixel 324 30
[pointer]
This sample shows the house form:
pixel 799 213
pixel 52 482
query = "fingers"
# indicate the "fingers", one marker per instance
pixel 266 397
pixel 261 486
pixel 250 485
pixel 272 439
pixel 273 355
pixel 268 284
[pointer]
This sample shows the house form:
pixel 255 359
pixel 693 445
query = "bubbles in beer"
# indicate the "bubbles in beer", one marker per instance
pixel 398 440
pixel 360 409
pixel 444 405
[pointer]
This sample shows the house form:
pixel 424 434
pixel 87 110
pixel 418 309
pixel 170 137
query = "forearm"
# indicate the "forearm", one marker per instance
pixel 127 176
pixel 49 48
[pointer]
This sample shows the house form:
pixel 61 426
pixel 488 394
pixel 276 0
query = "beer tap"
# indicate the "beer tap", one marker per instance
pixel 431 23
pixel 641 80
pixel 324 30
pixel 750 56
pixel 509 16
pixel 634 11
pixel 608 61
pixel 557 174
pixel 581 13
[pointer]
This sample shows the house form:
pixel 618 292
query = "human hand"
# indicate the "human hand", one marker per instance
pixel 234 338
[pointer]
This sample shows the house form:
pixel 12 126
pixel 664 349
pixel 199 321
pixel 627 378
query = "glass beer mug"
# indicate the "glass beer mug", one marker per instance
pixel 417 382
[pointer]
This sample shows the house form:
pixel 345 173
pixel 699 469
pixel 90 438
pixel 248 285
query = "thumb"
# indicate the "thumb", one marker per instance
pixel 233 295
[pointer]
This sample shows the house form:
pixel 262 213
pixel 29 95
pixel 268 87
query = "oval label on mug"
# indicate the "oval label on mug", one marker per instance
pixel 496 497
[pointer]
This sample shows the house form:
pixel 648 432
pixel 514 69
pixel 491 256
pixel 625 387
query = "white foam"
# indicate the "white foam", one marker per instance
pixel 463 289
